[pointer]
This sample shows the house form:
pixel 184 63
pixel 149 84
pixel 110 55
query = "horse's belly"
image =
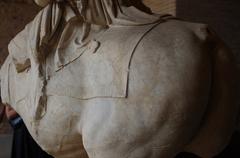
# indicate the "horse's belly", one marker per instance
pixel 115 124
pixel 117 127
pixel 108 124
pixel 57 132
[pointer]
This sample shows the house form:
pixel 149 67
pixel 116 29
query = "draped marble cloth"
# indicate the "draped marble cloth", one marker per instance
pixel 52 42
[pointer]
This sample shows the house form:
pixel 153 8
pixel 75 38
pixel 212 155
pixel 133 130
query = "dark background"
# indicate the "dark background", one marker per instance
pixel 224 17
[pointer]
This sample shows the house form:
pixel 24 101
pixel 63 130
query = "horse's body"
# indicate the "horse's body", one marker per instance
pixel 180 95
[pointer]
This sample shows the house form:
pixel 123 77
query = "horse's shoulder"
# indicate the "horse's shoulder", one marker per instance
pixel 172 55
pixel 175 42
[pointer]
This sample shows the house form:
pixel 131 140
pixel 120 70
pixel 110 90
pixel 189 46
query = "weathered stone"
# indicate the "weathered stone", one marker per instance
pixel 14 15
pixel 88 83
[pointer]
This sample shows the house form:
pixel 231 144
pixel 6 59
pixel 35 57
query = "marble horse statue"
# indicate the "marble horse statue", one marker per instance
pixel 110 79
